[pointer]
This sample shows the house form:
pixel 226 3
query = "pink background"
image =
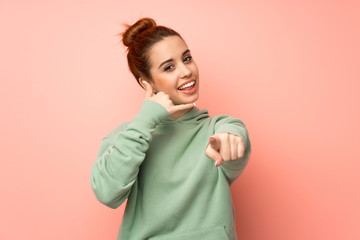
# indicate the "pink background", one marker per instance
pixel 290 71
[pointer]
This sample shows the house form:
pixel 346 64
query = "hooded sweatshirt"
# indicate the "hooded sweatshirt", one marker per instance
pixel 173 189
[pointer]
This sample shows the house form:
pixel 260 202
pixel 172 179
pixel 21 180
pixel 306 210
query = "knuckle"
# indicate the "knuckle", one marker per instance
pixel 207 152
pixel 242 151
pixel 224 137
pixel 231 137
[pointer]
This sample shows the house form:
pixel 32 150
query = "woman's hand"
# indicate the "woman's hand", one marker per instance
pixel 164 99
pixel 225 147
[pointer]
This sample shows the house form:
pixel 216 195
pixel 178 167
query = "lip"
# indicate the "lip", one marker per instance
pixel 187 82
pixel 190 91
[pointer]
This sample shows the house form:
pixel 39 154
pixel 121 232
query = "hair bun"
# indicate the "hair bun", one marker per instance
pixel 129 35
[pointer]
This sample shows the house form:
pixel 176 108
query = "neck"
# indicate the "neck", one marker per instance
pixel 178 114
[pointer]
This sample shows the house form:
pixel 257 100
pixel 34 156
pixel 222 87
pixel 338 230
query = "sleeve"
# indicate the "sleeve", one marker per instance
pixel 233 169
pixel 121 153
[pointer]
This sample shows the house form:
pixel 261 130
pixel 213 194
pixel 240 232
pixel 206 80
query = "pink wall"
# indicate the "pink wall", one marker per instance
pixel 290 71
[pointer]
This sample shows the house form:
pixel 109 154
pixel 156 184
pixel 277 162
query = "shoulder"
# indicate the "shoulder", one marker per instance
pixel 229 124
pixel 225 119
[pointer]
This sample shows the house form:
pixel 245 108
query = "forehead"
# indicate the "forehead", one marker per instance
pixel 169 47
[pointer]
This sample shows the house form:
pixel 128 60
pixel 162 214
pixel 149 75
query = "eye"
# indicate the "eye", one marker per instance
pixel 188 57
pixel 167 68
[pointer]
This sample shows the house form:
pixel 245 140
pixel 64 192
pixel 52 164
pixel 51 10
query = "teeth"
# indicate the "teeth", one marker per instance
pixel 187 85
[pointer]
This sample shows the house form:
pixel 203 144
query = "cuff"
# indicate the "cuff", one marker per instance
pixel 151 114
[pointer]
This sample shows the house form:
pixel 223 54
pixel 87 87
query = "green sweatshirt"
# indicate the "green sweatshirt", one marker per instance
pixel 173 190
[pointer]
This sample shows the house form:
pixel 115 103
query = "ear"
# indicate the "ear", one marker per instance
pixel 149 82
pixel 141 79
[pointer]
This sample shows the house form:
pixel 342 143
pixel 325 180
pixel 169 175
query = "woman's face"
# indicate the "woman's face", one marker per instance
pixel 171 67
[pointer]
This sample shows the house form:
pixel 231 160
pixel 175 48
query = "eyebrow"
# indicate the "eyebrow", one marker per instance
pixel 169 60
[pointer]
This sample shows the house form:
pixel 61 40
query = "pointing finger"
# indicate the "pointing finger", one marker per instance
pixel 214 142
pixel 214 155
pixel 218 162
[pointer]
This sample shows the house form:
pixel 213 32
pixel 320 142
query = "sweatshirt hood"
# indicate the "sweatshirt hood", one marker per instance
pixel 194 116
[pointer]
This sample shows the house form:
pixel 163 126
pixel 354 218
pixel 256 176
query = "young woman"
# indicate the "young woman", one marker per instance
pixel 173 162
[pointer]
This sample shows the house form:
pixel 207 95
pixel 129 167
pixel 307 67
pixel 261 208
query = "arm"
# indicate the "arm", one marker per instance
pixel 121 153
pixel 233 169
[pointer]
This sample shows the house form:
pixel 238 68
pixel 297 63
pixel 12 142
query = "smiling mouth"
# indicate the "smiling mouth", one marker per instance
pixel 187 86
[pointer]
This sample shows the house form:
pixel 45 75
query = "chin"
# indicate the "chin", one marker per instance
pixel 191 99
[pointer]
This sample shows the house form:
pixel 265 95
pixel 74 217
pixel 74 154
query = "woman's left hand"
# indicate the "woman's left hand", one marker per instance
pixel 225 147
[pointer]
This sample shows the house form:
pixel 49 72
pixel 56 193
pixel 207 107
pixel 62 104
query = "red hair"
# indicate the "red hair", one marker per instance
pixel 139 38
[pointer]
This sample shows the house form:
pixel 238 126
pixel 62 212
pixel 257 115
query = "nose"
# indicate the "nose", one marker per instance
pixel 185 71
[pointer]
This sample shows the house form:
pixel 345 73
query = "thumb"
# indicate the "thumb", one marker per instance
pixel 149 90
pixel 215 142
